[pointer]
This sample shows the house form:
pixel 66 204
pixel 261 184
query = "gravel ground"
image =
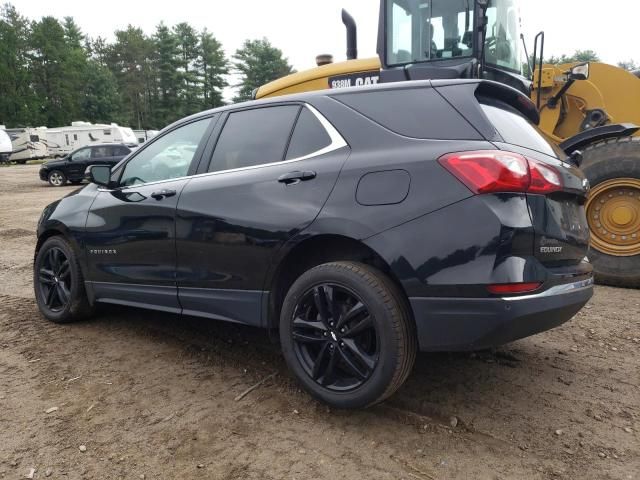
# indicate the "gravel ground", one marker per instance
pixel 134 394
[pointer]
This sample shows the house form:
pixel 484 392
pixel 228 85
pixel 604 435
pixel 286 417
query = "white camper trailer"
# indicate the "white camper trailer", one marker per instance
pixel 28 144
pixel 5 146
pixel 64 140
pixel 144 135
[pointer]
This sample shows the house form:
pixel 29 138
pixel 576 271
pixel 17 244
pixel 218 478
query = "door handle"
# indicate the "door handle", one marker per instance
pixel 293 178
pixel 163 194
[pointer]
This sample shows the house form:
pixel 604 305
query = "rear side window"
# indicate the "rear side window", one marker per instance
pixel 101 152
pixel 415 112
pixel 308 137
pixel 515 129
pixel 254 137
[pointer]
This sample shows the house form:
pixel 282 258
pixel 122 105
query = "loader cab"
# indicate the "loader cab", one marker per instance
pixel 431 39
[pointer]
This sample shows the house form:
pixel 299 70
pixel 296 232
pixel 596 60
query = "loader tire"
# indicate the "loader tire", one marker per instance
pixel 613 210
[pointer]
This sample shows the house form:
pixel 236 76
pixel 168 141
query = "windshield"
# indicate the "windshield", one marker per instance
pixel 426 30
pixel 502 46
pixel 422 30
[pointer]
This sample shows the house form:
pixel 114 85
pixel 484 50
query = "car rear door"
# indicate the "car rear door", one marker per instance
pixel 130 232
pixel 264 183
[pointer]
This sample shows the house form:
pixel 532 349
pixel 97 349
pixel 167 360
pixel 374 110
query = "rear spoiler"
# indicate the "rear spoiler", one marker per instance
pixel 511 97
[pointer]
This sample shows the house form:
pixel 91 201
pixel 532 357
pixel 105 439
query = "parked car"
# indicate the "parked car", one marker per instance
pixel 363 224
pixel 72 167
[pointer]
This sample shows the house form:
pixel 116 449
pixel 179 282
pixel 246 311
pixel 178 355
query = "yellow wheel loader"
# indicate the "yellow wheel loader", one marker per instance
pixel 591 111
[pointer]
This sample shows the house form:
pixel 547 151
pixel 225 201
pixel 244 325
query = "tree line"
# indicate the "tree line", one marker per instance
pixel 580 56
pixel 51 73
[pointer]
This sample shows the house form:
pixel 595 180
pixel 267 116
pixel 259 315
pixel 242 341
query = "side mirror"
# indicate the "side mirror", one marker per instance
pixel 580 72
pixel 100 175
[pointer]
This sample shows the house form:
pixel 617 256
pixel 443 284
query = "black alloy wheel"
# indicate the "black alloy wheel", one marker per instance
pixel 54 278
pixel 335 337
pixel 58 282
pixel 347 334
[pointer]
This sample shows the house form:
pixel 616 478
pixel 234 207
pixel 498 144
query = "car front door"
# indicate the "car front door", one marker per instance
pixel 77 163
pixel 266 181
pixel 130 232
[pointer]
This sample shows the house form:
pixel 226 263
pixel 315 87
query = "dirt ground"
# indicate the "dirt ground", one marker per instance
pixel 153 396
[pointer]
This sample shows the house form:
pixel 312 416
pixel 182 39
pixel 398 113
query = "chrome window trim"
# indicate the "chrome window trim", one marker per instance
pixel 337 142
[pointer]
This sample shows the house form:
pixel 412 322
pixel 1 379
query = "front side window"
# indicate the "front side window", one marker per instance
pixel 423 30
pixel 254 137
pixel 167 157
pixel 81 155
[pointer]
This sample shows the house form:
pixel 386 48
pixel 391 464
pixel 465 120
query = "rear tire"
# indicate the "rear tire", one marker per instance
pixel 362 348
pixel 57 178
pixel 603 163
pixel 58 283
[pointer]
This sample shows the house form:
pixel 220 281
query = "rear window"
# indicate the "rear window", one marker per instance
pixel 308 137
pixel 412 112
pixel 517 130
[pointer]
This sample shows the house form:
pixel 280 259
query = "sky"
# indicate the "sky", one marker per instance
pixel 304 28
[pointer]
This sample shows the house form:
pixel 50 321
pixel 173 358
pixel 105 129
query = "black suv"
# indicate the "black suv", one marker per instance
pixel 73 166
pixel 364 224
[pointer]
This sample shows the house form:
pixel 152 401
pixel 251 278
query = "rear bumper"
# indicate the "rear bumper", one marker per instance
pixel 462 324
pixel 44 174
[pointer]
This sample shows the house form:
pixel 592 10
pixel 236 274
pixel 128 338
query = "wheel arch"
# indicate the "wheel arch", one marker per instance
pixel 56 229
pixel 309 252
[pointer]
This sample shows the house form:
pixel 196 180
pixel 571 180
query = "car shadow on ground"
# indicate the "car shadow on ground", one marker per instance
pixel 509 381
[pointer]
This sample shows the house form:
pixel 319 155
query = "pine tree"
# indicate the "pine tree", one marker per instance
pixel 189 93
pixel 47 58
pixel 131 60
pixel 101 99
pixel 17 100
pixel 213 67
pixel 167 64
pixel 257 63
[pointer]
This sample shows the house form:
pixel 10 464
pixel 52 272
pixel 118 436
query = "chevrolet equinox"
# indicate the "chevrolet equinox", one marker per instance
pixel 363 224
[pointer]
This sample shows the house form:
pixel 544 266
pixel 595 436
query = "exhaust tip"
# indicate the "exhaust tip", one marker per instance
pixel 324 59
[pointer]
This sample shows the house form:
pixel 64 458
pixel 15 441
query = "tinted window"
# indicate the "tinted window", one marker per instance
pixel 167 157
pixel 254 137
pixel 415 112
pixel 121 151
pixel 34 138
pixel 80 155
pixel 516 129
pixel 309 136
pixel 101 152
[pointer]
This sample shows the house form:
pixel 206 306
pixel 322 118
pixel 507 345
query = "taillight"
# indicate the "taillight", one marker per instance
pixel 544 178
pixel 511 288
pixel 495 171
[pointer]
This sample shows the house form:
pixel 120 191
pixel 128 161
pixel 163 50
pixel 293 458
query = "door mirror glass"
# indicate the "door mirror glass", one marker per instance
pixel 580 72
pixel 100 175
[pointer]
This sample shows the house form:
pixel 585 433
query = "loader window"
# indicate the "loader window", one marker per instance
pixel 502 46
pixel 423 30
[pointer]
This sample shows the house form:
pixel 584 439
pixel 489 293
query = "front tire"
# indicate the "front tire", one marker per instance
pixel 57 178
pixel 347 334
pixel 59 284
